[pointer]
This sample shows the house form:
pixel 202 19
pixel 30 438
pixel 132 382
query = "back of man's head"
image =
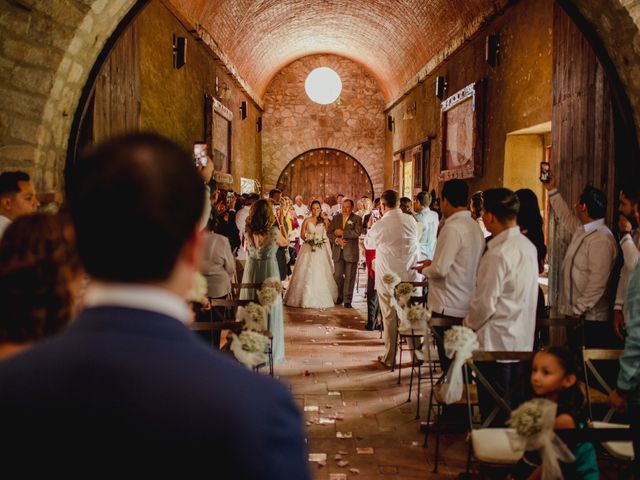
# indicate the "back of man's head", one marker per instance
pixel 424 199
pixel 251 199
pixel 456 192
pixel 274 192
pixel 632 192
pixel 502 203
pixel 389 198
pixel 9 182
pixel 596 202
pixel 135 201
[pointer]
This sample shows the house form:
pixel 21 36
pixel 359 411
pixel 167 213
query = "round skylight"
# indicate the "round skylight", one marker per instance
pixel 323 85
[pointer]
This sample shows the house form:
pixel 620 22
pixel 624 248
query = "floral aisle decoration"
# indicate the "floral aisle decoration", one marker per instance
pixel 314 240
pixel 415 320
pixel 274 283
pixel 254 317
pixel 459 344
pixel 391 279
pixel 250 348
pixel 198 289
pixel 404 291
pixel 533 423
pixel 267 296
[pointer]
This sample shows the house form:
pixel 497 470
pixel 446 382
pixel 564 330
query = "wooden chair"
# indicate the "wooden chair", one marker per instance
pixel 236 288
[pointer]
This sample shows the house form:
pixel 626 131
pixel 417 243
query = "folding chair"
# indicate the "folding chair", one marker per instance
pixel 409 340
pixel 491 446
pixel 622 451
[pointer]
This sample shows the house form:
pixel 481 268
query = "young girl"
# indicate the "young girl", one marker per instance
pixel 554 376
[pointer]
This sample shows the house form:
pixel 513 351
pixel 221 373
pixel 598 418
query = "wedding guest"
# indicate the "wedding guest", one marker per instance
pixel 264 236
pixel 395 240
pixel 373 307
pixel 435 203
pixel 218 267
pixel 337 208
pixel 365 207
pixel 406 205
pixel 452 273
pixel 344 234
pixel 476 205
pixel 128 367
pixel 626 395
pixel 17 197
pixel 502 310
pixel 530 223
pixel 630 246
pixel 586 267
pixel 226 221
pixel 275 196
pixel 429 219
pixel 40 279
pixel 326 209
pixel 300 208
pixel 241 223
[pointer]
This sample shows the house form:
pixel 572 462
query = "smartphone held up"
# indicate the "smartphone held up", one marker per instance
pixel 200 154
pixel 545 172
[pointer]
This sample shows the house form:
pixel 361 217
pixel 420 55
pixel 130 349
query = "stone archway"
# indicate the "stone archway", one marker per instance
pixel 325 172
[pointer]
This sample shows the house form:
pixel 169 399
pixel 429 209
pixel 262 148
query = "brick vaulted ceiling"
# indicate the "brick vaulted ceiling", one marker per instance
pixel 393 39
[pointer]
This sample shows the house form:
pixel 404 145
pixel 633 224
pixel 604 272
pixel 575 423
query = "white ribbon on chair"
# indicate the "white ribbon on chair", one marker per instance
pixel 533 422
pixel 459 344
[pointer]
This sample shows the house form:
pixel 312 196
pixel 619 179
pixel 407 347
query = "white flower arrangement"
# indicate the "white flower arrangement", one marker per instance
pixel 254 317
pixel 458 337
pixel 314 240
pixel 273 282
pixel 250 348
pixel 414 319
pixel 391 279
pixel 459 344
pixel 267 296
pixel 533 423
pixel 404 291
pixel 198 288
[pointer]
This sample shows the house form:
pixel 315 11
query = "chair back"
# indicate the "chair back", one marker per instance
pixel 236 288
pixel 589 355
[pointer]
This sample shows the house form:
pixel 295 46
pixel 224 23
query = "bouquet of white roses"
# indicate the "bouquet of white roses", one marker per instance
pixel 404 291
pixel 267 296
pixel 274 283
pixel 314 240
pixel 391 279
pixel 254 317
pixel 459 344
pixel 533 423
pixel 198 288
pixel 250 348
pixel 415 319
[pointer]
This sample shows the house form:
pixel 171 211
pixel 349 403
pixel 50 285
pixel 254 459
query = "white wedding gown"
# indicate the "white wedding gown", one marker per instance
pixel 312 284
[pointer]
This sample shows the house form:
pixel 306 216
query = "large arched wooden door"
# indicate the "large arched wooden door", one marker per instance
pixel 325 172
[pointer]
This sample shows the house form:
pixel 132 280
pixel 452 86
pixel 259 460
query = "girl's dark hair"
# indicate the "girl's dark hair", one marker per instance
pixel 570 400
pixel 319 217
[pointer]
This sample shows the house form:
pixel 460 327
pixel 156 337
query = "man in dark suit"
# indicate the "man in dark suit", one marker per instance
pixel 344 233
pixel 128 385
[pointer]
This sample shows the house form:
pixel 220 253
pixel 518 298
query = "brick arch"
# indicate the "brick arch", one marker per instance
pixel 293 124
pixel 54 47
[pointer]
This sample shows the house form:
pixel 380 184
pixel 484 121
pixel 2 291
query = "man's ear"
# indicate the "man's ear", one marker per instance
pixel 192 250
pixel 5 202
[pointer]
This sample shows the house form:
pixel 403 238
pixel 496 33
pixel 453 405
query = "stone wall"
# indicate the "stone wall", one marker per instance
pixel 172 101
pixel 47 50
pixel 294 124
pixel 518 93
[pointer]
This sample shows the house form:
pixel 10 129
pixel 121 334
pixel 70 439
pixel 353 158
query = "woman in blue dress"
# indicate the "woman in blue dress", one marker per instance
pixel 263 235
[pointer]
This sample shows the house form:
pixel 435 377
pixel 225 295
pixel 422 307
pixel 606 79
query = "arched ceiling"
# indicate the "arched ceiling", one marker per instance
pixel 394 39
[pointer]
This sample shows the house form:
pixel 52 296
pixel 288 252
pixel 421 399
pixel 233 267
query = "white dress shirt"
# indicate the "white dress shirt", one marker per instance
pixel 503 307
pixel 301 211
pixel 452 273
pixel 335 209
pixel 218 265
pixel 587 264
pixel 630 245
pixel 428 237
pixel 4 223
pixel 241 223
pixel 395 239
pixel 140 297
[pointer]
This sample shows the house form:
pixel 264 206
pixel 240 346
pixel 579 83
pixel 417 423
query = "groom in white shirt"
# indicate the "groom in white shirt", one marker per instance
pixel 503 307
pixel 395 239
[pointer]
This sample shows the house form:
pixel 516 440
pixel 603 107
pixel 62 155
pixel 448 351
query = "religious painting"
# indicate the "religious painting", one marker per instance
pixel 462 133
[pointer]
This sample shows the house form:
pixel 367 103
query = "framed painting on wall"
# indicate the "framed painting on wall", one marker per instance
pixel 462 133
pixel 219 134
pixel 418 166
pixel 396 172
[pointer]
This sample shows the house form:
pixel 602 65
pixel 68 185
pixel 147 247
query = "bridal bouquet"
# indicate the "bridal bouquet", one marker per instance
pixel 314 240
pixel 533 423
pixel 459 344
pixel 254 317
pixel 250 348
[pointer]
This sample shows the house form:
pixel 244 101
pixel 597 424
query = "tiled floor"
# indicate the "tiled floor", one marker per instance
pixel 357 416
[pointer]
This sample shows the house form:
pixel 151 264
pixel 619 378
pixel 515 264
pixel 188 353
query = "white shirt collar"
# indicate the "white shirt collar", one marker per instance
pixel 460 214
pixel 589 227
pixel 138 296
pixel 503 236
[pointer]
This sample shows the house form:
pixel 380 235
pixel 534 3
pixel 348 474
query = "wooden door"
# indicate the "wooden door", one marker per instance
pixel 325 172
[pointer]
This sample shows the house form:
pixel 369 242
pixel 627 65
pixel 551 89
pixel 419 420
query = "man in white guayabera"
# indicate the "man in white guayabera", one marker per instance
pixel 503 307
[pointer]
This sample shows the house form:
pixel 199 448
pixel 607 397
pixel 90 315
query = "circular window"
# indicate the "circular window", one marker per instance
pixel 323 85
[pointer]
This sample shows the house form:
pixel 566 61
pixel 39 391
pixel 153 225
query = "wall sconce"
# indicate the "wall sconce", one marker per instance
pixel 259 126
pixel 390 123
pixel 492 47
pixel 441 87
pixel 243 110
pixel 179 52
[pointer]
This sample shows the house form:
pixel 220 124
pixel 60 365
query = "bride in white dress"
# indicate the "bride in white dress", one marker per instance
pixel 312 284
